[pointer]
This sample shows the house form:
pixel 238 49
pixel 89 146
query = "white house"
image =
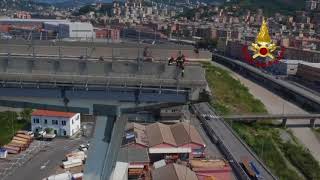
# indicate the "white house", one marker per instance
pixel 63 123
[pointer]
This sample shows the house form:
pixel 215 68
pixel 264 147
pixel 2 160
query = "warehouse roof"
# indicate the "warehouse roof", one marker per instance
pixel 138 131
pixel 133 155
pixel 159 133
pixel 132 126
pixel 40 112
pixel 185 133
pixel 173 172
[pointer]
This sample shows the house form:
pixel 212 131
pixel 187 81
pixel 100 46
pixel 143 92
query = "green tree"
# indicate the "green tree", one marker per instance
pixel 49 130
pixel 26 114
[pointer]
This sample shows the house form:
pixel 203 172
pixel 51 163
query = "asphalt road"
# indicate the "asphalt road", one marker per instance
pixel 230 140
pixel 47 160
pixel 212 150
pixel 277 105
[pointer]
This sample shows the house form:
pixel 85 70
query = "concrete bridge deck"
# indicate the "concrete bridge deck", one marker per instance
pixel 96 50
pixel 98 72
pixel 272 116
pixel 284 117
pixel 93 78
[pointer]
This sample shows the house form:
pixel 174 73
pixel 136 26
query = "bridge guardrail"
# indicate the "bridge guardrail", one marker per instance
pixel 243 143
pixel 215 139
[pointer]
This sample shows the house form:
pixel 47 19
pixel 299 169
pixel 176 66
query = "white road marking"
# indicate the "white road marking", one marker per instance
pixel 44 165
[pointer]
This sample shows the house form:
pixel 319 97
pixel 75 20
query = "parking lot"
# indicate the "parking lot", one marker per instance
pixel 41 159
pixel 12 162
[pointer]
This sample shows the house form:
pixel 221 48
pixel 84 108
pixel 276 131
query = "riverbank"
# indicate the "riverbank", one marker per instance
pixel 233 97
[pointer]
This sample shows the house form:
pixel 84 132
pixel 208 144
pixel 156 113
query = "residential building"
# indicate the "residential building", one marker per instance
pixel 309 72
pixel 301 54
pixel 105 33
pixel 23 15
pixel 62 123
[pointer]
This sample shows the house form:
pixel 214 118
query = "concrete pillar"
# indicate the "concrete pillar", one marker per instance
pixel 312 123
pixel 284 122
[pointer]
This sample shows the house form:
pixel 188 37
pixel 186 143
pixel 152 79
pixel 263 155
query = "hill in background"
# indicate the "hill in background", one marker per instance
pixel 272 6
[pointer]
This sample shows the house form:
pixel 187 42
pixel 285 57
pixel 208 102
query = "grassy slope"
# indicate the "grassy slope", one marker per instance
pixel 231 96
pixel 9 125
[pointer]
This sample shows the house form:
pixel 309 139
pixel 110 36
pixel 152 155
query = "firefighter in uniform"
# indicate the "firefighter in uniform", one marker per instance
pixel 171 60
pixel 180 63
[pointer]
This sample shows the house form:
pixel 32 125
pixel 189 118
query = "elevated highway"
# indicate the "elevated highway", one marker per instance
pixel 302 97
pixel 283 117
pixel 117 80
pixel 233 148
pixel 96 50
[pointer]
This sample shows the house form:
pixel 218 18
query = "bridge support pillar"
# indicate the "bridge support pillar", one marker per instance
pixel 312 123
pixel 284 122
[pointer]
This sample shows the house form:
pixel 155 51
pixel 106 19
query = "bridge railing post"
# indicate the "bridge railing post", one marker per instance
pixel 312 123
pixel 284 122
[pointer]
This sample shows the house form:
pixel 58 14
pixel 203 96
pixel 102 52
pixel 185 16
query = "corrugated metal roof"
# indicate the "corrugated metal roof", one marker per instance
pixel 173 172
pixel 185 133
pixel 40 112
pixel 159 133
pixel 131 155
pixel 133 125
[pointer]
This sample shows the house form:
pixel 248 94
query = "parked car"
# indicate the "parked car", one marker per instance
pixel 84 147
pixel 43 135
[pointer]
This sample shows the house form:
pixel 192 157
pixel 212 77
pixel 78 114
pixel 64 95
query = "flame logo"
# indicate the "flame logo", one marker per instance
pixel 263 47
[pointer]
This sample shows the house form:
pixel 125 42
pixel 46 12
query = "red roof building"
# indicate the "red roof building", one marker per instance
pixel 40 112
pixel 180 138
pixel 61 123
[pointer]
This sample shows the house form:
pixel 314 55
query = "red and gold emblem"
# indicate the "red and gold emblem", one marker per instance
pixel 263 48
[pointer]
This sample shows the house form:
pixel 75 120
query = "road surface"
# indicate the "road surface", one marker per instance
pixel 45 163
pixel 232 142
pixel 277 105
